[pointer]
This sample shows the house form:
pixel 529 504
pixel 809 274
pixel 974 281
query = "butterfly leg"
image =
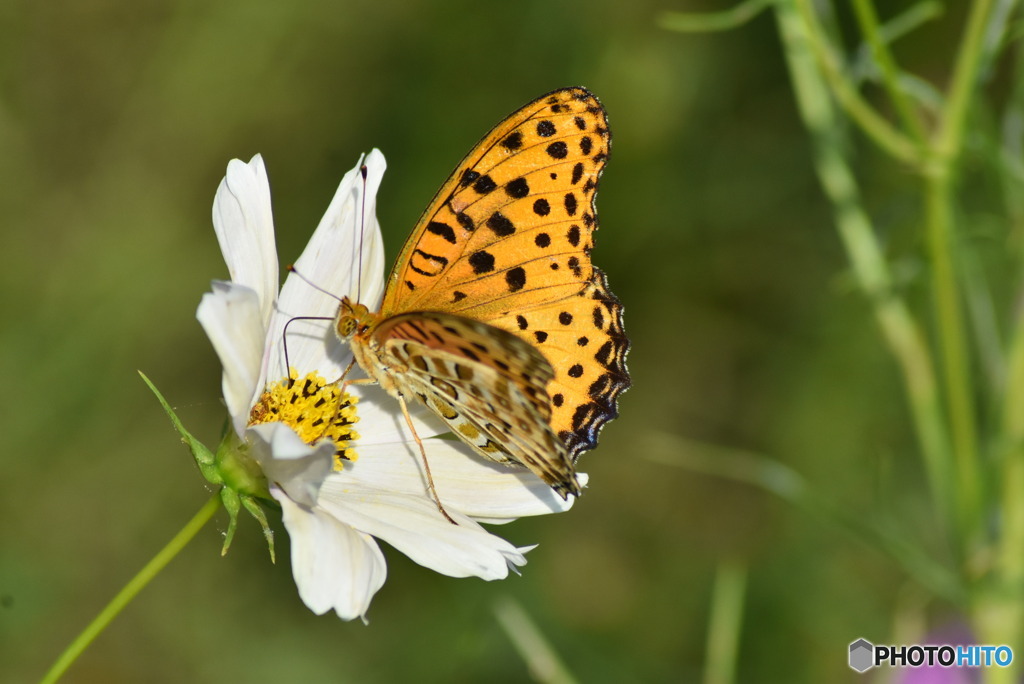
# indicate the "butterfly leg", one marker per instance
pixel 352 381
pixel 344 375
pixel 412 429
pixel 426 464
pixel 341 390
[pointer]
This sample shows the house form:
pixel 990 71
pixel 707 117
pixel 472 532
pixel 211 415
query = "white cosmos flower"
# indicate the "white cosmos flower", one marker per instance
pixel 333 512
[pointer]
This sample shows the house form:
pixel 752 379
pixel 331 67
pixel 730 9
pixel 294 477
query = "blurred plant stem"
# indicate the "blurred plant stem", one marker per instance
pixel 867 18
pixel 774 477
pixel 899 327
pixel 942 393
pixel 725 622
pixel 131 590
pixel 536 651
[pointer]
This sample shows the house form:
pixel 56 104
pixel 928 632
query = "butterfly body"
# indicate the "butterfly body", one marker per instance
pixel 494 316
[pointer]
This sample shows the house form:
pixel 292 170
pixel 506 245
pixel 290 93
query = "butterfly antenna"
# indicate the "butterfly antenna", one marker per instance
pixel 284 332
pixel 362 231
pixel 284 339
pixel 292 269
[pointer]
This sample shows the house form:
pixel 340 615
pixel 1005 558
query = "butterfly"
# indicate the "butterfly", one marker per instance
pixel 494 316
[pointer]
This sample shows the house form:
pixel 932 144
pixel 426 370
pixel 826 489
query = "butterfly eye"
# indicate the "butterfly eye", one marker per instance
pixel 346 327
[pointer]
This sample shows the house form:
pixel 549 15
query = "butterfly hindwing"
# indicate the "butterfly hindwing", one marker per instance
pixel 487 384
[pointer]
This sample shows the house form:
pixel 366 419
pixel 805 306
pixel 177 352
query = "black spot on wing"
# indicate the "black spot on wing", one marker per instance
pixel 500 224
pixel 546 129
pixel 574 266
pixel 513 141
pixel 577 173
pixel 516 279
pixel 558 150
pixel 442 230
pixel 574 235
pixel 481 261
pixel 517 188
pixel 484 185
pixel 427 264
pixel 570 204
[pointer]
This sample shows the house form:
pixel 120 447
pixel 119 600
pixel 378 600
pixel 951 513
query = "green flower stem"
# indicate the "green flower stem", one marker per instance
pixel 1004 618
pixel 868 20
pixel 939 216
pixel 875 126
pixel 955 362
pixel 1001 614
pixel 130 590
pixel 964 84
pixel 725 623
pixel 901 331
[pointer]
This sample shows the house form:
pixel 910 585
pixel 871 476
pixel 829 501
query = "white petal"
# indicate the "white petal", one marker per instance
pixel 413 525
pixel 487 491
pixel 331 261
pixel 230 315
pixel 244 225
pixel 335 567
pixel 286 460
pixel 381 420
pixel 370 289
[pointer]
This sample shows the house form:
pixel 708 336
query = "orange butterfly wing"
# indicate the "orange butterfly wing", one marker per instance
pixel 507 241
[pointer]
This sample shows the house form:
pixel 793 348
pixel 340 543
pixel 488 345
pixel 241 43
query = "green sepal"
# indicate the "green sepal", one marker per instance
pixel 237 470
pixel 252 505
pixel 240 478
pixel 232 504
pixel 204 457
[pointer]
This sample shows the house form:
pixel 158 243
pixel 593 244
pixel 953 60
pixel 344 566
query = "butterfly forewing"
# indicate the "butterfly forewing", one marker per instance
pixel 583 339
pixel 512 226
pixel 501 259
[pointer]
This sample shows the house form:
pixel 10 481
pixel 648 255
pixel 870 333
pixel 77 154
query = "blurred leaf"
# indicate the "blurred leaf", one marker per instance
pixel 706 22
pixel 776 478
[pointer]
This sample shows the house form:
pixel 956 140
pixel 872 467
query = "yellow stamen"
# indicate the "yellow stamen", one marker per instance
pixel 314 409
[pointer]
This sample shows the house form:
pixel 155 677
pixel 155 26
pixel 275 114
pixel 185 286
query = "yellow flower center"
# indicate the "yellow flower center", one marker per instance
pixel 314 409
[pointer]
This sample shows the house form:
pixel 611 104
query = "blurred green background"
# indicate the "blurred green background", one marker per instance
pixel 117 120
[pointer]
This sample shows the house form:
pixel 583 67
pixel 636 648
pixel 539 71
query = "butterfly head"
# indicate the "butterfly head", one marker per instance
pixel 352 319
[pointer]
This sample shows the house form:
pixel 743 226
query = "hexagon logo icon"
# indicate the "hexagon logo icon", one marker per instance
pixel 862 655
